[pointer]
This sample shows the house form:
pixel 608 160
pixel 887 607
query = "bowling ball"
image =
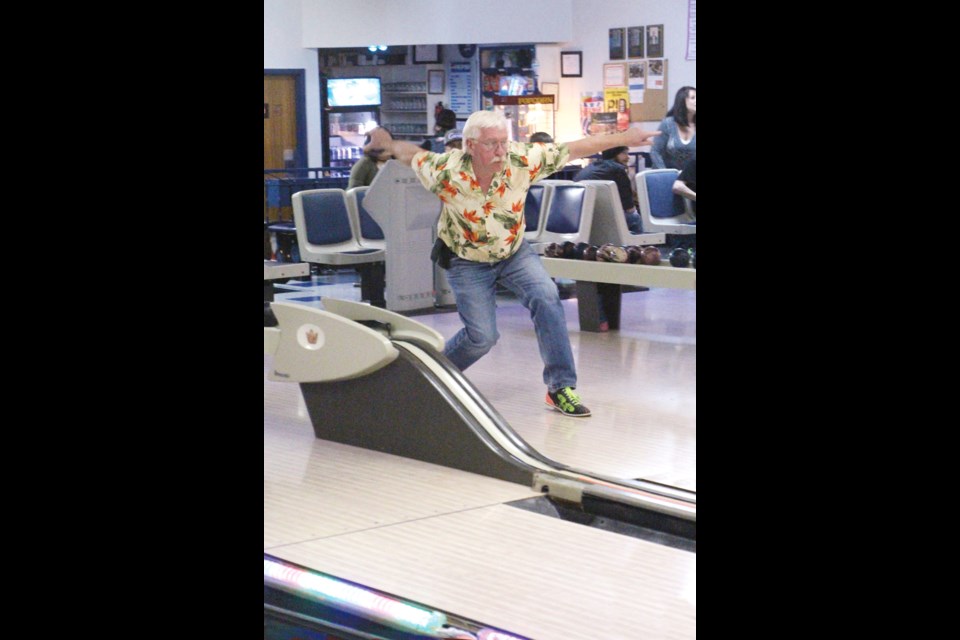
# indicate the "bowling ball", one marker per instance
pixel 551 250
pixel 579 249
pixel 633 254
pixel 603 252
pixel 650 255
pixel 567 249
pixel 679 258
pixel 612 253
pixel 590 253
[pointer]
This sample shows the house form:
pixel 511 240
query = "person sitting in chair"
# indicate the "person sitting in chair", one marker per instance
pixel 453 140
pixel 613 166
pixel 686 183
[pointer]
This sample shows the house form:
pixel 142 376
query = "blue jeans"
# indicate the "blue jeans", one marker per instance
pixel 475 285
pixel 634 223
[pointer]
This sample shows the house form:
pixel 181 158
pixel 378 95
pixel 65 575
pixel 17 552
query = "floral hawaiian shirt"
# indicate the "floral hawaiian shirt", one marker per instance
pixel 486 227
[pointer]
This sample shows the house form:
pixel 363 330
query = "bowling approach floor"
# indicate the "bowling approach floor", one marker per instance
pixel 449 539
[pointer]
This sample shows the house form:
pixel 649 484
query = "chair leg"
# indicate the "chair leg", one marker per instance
pixel 373 282
pixel 590 296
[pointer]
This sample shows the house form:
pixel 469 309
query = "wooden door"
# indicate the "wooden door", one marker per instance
pixel 279 120
pixel 279 137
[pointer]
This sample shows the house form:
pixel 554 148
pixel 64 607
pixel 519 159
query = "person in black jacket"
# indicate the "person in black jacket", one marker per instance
pixel 613 166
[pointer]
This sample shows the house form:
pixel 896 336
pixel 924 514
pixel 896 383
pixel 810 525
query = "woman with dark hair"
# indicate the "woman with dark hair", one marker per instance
pixel 677 142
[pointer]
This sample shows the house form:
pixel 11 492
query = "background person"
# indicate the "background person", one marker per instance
pixel 613 165
pixel 365 169
pixel 446 120
pixel 678 140
pixel 686 183
pixel 453 140
pixel 541 136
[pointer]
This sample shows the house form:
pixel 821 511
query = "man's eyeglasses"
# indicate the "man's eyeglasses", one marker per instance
pixel 493 144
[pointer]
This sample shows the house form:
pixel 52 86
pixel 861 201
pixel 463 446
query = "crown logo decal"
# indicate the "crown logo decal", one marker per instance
pixel 312 336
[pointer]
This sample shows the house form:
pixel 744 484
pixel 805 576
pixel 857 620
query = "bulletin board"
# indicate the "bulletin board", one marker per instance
pixel 655 101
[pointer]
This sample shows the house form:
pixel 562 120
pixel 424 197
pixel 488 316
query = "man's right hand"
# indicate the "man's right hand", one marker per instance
pixel 380 141
pixel 637 137
pixel 399 149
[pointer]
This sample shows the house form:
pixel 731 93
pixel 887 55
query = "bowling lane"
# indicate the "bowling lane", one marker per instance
pixel 445 538
pixel 536 576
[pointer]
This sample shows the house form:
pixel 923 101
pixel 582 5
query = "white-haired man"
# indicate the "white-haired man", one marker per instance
pixel 483 188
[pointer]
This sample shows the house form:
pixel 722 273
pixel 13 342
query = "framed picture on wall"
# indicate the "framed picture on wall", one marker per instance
pixel 426 53
pixel 571 64
pixel 635 42
pixel 435 81
pixel 615 74
pixel 655 41
pixel 616 44
pixel 552 89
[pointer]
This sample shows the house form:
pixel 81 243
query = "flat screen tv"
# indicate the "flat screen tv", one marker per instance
pixel 353 92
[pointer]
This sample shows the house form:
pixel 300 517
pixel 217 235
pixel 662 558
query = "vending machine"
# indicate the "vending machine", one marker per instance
pixel 527 115
pixel 351 109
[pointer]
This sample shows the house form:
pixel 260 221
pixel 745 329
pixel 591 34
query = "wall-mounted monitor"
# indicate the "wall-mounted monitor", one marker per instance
pixel 353 92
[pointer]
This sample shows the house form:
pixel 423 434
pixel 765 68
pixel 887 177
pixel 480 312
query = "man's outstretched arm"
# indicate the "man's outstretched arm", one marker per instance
pixel 632 137
pixel 404 151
